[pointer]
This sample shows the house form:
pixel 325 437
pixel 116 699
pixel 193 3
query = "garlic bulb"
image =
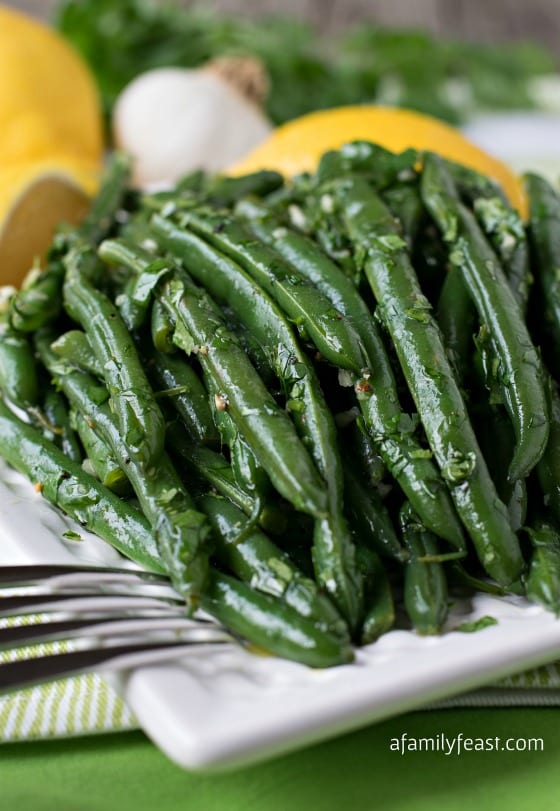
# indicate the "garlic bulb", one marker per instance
pixel 173 121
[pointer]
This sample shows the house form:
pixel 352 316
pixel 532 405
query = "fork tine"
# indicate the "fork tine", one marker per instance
pixel 108 627
pixel 11 576
pixel 29 672
pixel 86 603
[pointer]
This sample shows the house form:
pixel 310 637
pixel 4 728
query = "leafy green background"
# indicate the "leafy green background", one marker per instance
pixel 442 77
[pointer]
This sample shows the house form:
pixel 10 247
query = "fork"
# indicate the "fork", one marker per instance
pixel 115 619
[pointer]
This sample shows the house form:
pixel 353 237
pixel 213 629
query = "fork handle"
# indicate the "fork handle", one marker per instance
pixel 43 669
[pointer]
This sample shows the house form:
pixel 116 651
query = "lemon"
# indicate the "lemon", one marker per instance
pixel 297 146
pixel 34 199
pixel 51 139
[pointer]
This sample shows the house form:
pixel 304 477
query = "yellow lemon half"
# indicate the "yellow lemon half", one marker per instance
pixel 297 146
pixel 34 199
pixel 51 140
pixel 48 99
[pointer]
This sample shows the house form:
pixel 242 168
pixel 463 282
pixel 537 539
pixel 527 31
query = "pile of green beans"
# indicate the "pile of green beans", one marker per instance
pixel 318 407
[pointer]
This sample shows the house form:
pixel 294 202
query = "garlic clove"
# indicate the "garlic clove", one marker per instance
pixel 173 121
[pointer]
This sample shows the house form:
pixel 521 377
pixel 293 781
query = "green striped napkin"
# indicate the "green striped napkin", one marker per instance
pixel 82 705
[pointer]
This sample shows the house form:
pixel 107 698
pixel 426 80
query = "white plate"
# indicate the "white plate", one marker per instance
pixel 224 707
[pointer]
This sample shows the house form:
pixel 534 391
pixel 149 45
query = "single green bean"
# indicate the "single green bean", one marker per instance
pixel 504 228
pixel 174 377
pixel 19 380
pixel 271 625
pixel 379 616
pixel 62 433
pixel 405 204
pixel 132 399
pixel 99 457
pixel 544 216
pixel 425 584
pixel 75 347
pixel 369 517
pixel 378 165
pixel 162 328
pixel 548 469
pixel 457 321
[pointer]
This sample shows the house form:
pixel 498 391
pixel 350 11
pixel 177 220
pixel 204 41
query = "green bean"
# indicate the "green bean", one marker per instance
pixel 247 471
pixel 379 616
pixel 19 381
pixel 544 215
pixel 501 223
pixel 135 300
pixel 132 399
pixel 174 377
pixel 214 469
pixel 521 373
pixel 417 340
pixel 62 433
pixel 180 530
pixel 312 312
pixel 100 219
pixel 369 517
pixel 377 392
pixel 74 346
pixel 425 584
pixel 473 185
pixel 225 191
pixel 265 621
pixel 456 319
pixel 548 469
pixel 99 457
pixel 458 577
pixel 39 300
pixel 362 450
pixel 405 204
pixel 258 353
pixel 200 327
pixel 229 284
pixel 497 442
pixel 162 328
pixel 504 228
pixel 542 584
pixel 63 482
pixel 255 559
pixel 378 165
pixel 272 625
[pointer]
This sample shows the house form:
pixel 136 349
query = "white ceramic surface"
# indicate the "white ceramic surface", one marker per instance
pixel 221 707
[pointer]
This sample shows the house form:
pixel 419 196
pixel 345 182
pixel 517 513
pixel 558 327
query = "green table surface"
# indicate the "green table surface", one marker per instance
pixel 357 772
